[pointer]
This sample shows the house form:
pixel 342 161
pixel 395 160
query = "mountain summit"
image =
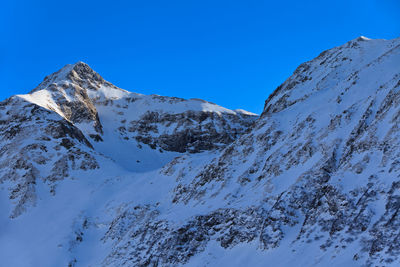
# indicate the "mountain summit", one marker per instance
pixel 80 74
pixel 99 176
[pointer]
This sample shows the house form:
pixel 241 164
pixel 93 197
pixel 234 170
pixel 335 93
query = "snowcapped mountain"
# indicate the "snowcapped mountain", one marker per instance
pixel 93 175
pixel 111 117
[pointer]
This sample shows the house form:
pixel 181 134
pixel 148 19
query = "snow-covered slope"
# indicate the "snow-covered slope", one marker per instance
pixel 122 125
pixel 320 167
pixel 93 175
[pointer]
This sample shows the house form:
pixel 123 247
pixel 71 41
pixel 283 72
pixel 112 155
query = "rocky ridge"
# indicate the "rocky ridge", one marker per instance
pixel 84 98
pixel 313 181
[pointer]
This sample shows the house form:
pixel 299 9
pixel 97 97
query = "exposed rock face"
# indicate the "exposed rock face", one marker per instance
pixel 313 182
pixel 173 124
pixel 139 235
pixel 191 131
pixel 38 146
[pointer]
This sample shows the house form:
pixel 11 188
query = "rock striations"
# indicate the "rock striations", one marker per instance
pixel 93 175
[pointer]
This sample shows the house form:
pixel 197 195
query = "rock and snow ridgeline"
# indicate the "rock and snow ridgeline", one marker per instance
pixel 127 179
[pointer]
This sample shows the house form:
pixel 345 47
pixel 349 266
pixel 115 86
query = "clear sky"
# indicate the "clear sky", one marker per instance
pixel 233 53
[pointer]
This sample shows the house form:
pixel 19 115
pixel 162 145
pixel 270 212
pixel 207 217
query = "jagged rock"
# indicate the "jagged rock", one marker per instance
pixel 123 179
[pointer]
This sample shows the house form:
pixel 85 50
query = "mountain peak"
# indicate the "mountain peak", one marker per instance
pixel 82 71
pixel 66 92
pixel 80 74
pixel 362 38
pixel 340 64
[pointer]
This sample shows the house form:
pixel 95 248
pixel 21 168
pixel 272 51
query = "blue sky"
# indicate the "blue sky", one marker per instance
pixel 233 53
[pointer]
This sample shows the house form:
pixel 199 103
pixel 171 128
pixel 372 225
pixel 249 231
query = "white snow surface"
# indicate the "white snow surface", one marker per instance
pixel 337 112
